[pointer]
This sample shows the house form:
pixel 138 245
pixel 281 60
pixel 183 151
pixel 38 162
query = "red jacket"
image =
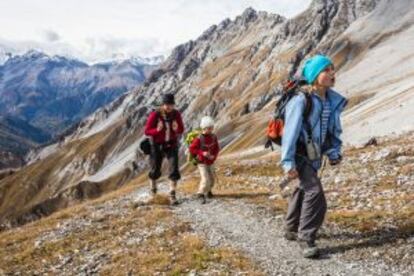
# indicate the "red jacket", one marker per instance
pixel 211 145
pixel 159 137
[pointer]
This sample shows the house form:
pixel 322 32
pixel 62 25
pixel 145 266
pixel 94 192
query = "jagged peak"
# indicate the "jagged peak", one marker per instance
pixel 248 12
pixel 247 16
pixel 360 6
pixel 206 34
pixel 223 24
pixel 34 53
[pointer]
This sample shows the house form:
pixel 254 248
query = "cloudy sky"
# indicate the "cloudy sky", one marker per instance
pixel 96 30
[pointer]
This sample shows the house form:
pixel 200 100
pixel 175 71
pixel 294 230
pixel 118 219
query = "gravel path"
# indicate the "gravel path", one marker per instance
pixel 248 229
pixel 252 230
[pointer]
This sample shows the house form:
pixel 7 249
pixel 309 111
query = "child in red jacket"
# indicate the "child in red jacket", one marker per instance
pixel 206 149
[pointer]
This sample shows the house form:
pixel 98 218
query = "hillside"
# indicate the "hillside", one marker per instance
pixel 368 231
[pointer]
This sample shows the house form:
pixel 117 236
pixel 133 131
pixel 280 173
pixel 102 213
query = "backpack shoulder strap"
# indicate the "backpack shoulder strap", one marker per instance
pixel 161 115
pixel 309 105
pixel 202 141
pixel 175 113
pixel 158 113
pixel 306 113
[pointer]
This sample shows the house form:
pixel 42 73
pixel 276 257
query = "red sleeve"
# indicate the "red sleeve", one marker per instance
pixel 180 123
pixel 195 147
pixel 151 125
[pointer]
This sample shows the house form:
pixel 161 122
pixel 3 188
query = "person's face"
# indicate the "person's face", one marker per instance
pixel 168 107
pixel 208 130
pixel 327 77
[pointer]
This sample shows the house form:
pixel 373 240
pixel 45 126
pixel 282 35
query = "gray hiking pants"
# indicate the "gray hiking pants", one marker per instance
pixel 307 206
pixel 207 178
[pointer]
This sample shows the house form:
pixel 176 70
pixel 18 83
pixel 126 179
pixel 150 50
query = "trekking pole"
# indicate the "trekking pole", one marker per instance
pixel 285 181
pixel 323 166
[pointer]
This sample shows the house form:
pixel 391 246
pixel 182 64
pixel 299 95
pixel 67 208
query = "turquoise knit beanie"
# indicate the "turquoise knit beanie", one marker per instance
pixel 314 66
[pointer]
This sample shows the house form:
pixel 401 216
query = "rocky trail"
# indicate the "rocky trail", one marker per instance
pixel 224 222
pixel 258 234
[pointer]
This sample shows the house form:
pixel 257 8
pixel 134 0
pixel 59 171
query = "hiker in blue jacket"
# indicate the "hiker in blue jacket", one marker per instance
pixel 304 142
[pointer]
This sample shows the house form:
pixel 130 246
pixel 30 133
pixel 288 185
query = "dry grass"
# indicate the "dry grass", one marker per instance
pixel 368 221
pixel 268 167
pixel 37 182
pixel 173 250
pixel 359 220
pixel 250 138
pixel 189 254
pixel 158 199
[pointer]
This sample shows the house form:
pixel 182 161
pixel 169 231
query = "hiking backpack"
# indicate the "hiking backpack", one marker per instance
pixel 274 130
pixel 145 145
pixel 197 133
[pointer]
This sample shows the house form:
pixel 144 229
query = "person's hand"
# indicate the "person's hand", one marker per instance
pixel 206 154
pixel 160 126
pixel 174 126
pixel 292 174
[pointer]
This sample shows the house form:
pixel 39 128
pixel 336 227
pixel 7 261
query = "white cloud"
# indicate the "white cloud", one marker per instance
pixel 50 36
pixel 95 30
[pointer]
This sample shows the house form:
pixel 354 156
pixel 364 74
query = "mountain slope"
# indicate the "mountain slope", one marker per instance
pixel 379 69
pixel 368 229
pixel 18 136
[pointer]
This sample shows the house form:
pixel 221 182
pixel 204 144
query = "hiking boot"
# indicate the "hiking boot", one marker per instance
pixel 173 198
pixel 310 250
pixel 291 236
pixel 200 197
pixel 210 195
pixel 153 186
pixel 203 199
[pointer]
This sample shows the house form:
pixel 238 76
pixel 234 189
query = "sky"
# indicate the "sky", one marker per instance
pixel 98 30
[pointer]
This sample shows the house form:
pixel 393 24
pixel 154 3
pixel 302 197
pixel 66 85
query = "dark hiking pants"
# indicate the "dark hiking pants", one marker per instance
pixel 158 153
pixel 307 206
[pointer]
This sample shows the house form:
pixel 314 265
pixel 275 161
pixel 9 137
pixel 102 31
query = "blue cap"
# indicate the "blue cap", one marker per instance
pixel 314 66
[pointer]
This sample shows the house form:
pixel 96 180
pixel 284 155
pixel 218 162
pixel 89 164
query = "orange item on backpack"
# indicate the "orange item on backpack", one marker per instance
pixel 275 129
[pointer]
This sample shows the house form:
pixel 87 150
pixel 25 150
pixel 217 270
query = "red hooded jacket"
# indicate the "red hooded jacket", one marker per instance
pixel 159 137
pixel 211 145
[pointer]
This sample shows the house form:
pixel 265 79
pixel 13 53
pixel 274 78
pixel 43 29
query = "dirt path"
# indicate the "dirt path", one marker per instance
pixel 256 233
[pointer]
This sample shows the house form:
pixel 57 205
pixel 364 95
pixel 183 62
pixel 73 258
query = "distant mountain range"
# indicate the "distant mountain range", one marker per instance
pixel 42 95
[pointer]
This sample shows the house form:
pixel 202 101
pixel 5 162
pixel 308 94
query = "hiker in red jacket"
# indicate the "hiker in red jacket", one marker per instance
pixel 206 149
pixel 164 126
